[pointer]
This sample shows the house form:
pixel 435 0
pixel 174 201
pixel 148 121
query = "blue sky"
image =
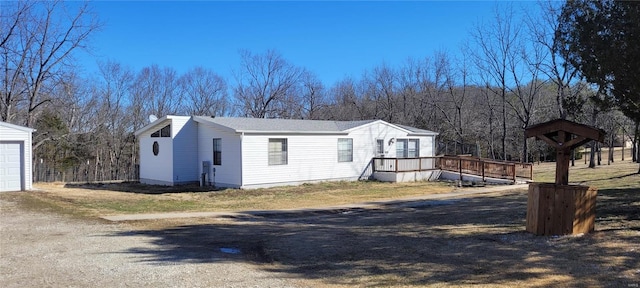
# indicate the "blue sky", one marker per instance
pixel 332 39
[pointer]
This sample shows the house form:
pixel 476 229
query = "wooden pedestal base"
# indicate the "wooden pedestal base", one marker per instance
pixel 560 209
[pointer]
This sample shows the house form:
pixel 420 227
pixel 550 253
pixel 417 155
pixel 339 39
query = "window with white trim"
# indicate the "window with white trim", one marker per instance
pixel 277 151
pixel 217 151
pixel 345 150
pixel 164 132
pixel 380 147
pixel 408 148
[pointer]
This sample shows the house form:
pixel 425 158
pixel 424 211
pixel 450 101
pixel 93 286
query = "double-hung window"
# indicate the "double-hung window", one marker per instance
pixel 408 148
pixel 217 151
pixel 380 147
pixel 345 150
pixel 277 151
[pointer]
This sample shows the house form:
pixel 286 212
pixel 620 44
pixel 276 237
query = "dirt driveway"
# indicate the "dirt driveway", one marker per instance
pixel 47 250
pixel 470 241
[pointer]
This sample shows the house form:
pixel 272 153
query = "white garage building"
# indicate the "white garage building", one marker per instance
pixel 15 157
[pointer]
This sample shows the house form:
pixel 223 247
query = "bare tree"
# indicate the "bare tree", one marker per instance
pixel 114 130
pixel 345 103
pixel 496 42
pixel 204 93
pixel 626 127
pixel 452 99
pixel 414 105
pixel 313 96
pixel 610 122
pixel 61 142
pixel 264 83
pixel 37 49
pixel 409 77
pixel 157 91
pixel 12 19
pixel 381 90
pixel 543 30
pixel 525 63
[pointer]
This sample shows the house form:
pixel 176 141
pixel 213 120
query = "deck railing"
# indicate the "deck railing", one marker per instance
pixel 460 164
pixel 406 164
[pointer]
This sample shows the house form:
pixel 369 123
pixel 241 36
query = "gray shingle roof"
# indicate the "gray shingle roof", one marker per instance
pixel 415 130
pixel 239 124
pixel 282 125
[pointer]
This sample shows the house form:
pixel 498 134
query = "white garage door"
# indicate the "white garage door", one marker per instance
pixel 10 166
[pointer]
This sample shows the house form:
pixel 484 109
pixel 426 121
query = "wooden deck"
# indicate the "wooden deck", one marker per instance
pixel 484 168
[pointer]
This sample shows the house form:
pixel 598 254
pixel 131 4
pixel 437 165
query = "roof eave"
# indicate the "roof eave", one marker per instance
pixel 293 132
pixel 424 134
pixel 205 120
pixel 409 132
pixel 18 127
pixel 151 125
pixel 369 124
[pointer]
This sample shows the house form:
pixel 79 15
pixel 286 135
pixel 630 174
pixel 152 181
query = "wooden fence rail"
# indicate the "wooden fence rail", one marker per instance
pixel 460 164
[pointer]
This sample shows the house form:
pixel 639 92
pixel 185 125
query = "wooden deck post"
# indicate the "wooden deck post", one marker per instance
pixel 531 171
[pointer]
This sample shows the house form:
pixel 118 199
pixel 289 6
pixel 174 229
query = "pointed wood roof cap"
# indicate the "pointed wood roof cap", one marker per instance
pixel 575 134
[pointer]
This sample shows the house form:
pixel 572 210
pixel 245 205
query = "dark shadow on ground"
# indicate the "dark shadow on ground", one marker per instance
pixel 137 187
pixel 471 241
pixel 612 178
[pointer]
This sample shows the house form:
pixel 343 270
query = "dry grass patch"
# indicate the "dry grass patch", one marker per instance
pixel 619 175
pixel 110 199
pixel 475 241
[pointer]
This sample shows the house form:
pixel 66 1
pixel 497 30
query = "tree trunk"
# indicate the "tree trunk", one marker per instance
pixel 633 151
pixel 623 144
pixel 592 155
pixel 636 144
pixel 504 126
pixel 636 139
pixel 525 151
pixel 594 144
pixel 611 149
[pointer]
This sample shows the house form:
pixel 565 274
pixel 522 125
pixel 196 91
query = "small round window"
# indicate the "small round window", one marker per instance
pixel 156 148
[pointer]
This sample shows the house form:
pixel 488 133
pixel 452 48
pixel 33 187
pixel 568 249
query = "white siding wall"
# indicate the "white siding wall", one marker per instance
pixel 310 157
pixel 156 169
pixel 8 134
pixel 368 135
pixel 229 173
pixel 315 157
pixel 426 146
pixel 184 132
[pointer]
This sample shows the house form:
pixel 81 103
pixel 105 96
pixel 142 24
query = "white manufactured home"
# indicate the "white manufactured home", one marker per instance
pixel 255 152
pixel 15 157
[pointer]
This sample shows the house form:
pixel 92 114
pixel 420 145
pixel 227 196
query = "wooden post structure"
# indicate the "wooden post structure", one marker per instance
pixel 559 208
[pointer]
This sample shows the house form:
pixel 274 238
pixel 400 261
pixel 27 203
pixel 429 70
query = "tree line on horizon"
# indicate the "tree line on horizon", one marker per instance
pixel 516 70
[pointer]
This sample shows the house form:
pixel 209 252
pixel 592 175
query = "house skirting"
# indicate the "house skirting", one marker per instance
pixel 406 176
pixel 165 183
pixel 294 183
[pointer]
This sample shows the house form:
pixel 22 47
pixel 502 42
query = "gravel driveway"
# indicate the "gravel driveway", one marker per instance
pixel 49 250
